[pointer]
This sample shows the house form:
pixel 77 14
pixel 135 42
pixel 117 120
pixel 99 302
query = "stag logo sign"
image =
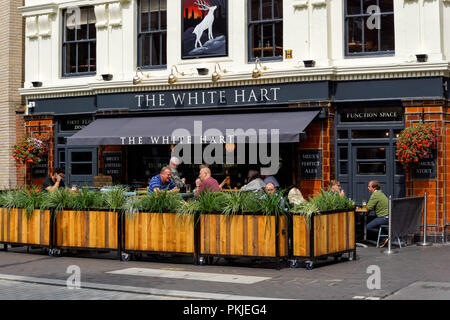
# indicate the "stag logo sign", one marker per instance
pixel 205 28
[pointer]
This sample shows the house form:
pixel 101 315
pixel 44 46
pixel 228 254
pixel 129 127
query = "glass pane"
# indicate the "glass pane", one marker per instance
pixel 70 30
pixel 92 30
pixel 81 168
pixel 154 15
pixel 370 153
pixel 145 50
pixel 71 57
pixel 268 40
pixel 156 50
pixel 277 9
pixel 354 35
pixel 266 9
pixel 144 15
pixel 387 33
pixel 343 134
pixel 82 27
pixel 343 152
pixel 164 48
pixel 255 33
pixel 254 7
pixel 367 4
pixel 375 168
pixel 370 134
pixel 62 156
pixel 163 15
pixel 61 140
pixel 386 5
pixel 92 60
pixel 353 6
pixel 279 39
pixel 343 167
pixel 370 36
pixel 399 170
pixel 81 156
pixel 397 133
pixel 83 58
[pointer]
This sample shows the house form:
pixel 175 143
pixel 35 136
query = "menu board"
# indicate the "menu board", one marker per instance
pixel 41 169
pixel 112 164
pixel 310 164
pixel 426 168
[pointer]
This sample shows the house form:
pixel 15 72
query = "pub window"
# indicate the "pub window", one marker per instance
pixel 369 26
pixel 152 33
pixel 265 29
pixel 79 41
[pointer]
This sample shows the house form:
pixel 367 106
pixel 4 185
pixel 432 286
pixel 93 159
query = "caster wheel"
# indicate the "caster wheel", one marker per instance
pixel 50 252
pixel 125 257
pixel 309 265
pixel 56 252
pixel 350 257
pixel 201 261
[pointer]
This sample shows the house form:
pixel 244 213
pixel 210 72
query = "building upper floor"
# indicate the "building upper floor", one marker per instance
pixel 92 46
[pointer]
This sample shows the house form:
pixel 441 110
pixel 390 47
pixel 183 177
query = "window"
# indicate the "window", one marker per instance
pixel 79 41
pixel 152 33
pixel 369 27
pixel 265 29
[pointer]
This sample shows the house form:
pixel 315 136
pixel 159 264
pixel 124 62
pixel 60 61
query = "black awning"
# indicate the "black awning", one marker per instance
pixel 216 128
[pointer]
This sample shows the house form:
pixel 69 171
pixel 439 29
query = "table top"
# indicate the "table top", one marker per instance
pixel 361 210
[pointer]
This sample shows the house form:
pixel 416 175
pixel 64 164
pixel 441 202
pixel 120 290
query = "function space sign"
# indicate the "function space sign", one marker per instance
pixel 112 163
pixel 311 164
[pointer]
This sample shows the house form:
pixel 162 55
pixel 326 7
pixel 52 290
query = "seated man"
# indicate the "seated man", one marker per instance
pixel 335 186
pixel 255 183
pixel 173 166
pixel 55 181
pixel 162 182
pixel 207 182
pixel 379 203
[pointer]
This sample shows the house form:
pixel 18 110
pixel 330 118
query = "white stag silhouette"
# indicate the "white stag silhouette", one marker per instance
pixel 206 23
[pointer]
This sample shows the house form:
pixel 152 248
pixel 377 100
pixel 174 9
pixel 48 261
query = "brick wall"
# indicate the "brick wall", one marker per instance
pixel 11 78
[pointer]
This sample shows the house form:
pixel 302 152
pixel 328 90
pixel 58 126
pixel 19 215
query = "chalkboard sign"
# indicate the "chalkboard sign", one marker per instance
pixel 112 164
pixel 74 124
pixel 311 164
pixel 426 168
pixel 41 169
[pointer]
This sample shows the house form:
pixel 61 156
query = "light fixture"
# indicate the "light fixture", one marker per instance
pixel 138 79
pixel 202 71
pixel 257 72
pixel 216 76
pixel 36 84
pixel 107 77
pixel 422 57
pixel 172 77
pixel 309 63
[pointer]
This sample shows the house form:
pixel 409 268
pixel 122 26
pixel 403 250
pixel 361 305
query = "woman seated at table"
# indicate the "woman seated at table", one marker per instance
pixel 255 183
pixel 335 186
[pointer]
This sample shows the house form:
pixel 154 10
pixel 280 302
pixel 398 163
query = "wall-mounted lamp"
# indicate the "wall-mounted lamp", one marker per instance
pixel 172 77
pixel 216 76
pixel 309 63
pixel 422 57
pixel 257 72
pixel 36 84
pixel 137 78
pixel 107 77
pixel 202 71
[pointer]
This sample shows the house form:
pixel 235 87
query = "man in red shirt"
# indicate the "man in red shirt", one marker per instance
pixel 207 182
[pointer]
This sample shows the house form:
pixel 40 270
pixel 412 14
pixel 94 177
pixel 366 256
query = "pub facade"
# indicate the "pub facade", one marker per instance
pixel 111 82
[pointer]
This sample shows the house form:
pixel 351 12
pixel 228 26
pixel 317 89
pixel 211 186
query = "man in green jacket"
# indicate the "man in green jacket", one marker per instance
pixel 379 203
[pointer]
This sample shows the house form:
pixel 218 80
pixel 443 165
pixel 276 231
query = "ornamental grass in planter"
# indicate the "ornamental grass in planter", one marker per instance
pixel 323 225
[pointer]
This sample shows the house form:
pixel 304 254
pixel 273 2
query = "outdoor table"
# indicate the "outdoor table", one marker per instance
pixel 363 211
pixel 186 195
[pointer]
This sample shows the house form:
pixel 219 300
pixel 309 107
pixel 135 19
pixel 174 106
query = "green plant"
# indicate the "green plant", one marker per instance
pixel 210 202
pixel 33 200
pixel 187 210
pixel 115 198
pixel 86 200
pixel 415 143
pixel 59 199
pixel 238 202
pixel 306 209
pixel 273 204
pixel 160 202
pixel 328 201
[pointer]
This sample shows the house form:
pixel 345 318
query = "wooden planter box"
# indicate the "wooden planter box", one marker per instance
pixel 159 233
pixel 16 228
pixel 87 230
pixel 244 235
pixel 330 233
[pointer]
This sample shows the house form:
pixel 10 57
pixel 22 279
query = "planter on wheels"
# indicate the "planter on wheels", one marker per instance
pixel 330 234
pixel 243 235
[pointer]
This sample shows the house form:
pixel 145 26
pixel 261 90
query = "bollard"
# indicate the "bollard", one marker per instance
pixel 389 251
pixel 424 243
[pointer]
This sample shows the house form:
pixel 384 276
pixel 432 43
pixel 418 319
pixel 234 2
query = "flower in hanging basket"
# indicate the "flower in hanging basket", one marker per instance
pixel 30 150
pixel 416 143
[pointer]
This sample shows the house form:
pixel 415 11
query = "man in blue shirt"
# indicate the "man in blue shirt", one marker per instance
pixel 162 182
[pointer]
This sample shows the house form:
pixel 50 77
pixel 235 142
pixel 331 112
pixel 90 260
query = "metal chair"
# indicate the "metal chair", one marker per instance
pixel 385 235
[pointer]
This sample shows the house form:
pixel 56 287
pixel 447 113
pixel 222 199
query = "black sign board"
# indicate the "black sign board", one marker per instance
pixel 112 164
pixel 364 114
pixel 40 170
pixel 311 164
pixel 426 168
pixel 71 124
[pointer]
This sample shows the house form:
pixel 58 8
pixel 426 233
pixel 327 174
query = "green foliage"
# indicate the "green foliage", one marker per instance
pixel 306 209
pixel 328 201
pixel 238 202
pixel 115 198
pixel 211 202
pixel 59 199
pixel 273 204
pixel 160 202
pixel 87 200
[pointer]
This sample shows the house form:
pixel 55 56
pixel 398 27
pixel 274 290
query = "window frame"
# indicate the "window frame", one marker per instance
pixel 159 32
pixel 363 16
pixel 273 21
pixel 64 74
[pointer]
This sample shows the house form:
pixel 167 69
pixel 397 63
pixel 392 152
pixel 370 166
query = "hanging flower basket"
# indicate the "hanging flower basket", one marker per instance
pixel 416 143
pixel 30 150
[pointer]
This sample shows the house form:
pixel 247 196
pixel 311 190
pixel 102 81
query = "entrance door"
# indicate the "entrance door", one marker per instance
pixel 371 162
pixel 81 166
